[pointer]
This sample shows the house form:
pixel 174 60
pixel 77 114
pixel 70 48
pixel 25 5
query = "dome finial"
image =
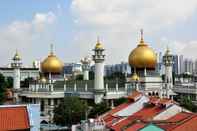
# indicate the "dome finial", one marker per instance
pixel 16 56
pixel 142 36
pixel 98 44
pixel 98 40
pixel 51 46
pixel 167 50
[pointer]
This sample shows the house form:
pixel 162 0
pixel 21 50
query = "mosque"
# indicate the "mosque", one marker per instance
pixel 52 86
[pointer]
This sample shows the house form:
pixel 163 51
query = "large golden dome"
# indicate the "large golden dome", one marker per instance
pixel 142 56
pixel 52 64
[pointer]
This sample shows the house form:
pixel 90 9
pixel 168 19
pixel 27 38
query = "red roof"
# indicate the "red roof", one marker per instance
pixel 108 117
pixel 165 101
pixel 14 118
pixel 124 122
pixel 180 122
pixel 154 100
pixel 136 127
pixel 145 114
pixel 148 113
pixel 135 95
pixel 179 117
pixel 189 125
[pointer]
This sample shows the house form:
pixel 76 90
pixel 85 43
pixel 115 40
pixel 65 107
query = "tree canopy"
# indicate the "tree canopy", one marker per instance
pixel 98 109
pixel 2 88
pixel 70 111
pixel 188 104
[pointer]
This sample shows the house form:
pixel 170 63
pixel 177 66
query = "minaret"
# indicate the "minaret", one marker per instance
pixel 168 63
pixel 86 67
pixel 99 59
pixel 16 65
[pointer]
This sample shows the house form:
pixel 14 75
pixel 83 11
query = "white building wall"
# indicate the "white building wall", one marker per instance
pixel 133 108
pixel 169 112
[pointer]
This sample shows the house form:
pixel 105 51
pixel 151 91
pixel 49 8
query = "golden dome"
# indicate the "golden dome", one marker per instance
pixel 16 56
pixel 52 64
pixel 135 77
pixel 167 51
pixel 142 56
pixel 43 79
pixel 98 45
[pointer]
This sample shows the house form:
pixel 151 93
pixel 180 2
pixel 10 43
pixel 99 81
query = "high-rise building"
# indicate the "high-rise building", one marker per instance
pixel 123 67
pixel 175 67
pixel 195 66
pixel 181 64
pixel 188 65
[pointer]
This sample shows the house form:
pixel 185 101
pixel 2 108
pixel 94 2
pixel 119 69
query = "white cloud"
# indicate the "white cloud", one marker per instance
pixel 132 13
pixel 25 36
pixel 118 22
pixel 41 20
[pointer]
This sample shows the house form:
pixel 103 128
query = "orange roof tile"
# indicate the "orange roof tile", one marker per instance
pixel 189 125
pixel 136 127
pixel 135 95
pixel 154 100
pixel 179 117
pixel 165 101
pixel 180 122
pixel 124 122
pixel 145 114
pixel 106 117
pixel 14 118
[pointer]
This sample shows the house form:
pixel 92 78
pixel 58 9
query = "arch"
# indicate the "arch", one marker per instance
pixel 157 94
pixel 43 122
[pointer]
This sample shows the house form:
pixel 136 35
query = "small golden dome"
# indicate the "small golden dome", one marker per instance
pixel 167 51
pixel 142 56
pixel 135 77
pixel 43 79
pixel 16 56
pixel 52 64
pixel 98 45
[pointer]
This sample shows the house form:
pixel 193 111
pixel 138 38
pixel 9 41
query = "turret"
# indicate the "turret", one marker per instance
pixel 168 63
pixel 86 67
pixel 99 59
pixel 16 65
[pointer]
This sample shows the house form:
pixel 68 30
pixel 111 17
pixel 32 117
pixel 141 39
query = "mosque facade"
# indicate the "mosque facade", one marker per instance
pixel 52 86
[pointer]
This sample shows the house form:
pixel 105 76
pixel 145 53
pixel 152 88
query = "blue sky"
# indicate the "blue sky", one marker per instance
pixel 30 26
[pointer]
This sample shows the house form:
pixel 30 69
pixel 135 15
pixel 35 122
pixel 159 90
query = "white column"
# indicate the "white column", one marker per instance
pixel 99 82
pixel 86 87
pixel 85 75
pixel 168 79
pixel 65 87
pixel 75 87
pixel 112 103
pixel 16 78
pixel 116 87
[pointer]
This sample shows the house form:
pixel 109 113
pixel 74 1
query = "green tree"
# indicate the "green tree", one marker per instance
pixel 91 75
pixel 120 101
pixel 9 82
pixel 116 75
pixel 27 81
pixel 98 109
pixel 2 88
pixel 79 77
pixel 187 103
pixel 70 111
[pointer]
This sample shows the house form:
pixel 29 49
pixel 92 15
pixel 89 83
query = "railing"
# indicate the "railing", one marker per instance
pixel 185 90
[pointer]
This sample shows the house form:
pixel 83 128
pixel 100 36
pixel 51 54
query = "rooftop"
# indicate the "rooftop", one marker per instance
pixel 14 118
